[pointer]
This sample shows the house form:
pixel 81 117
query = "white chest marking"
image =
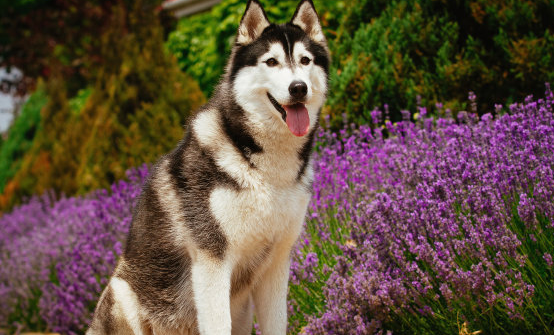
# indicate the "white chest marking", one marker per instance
pixel 259 216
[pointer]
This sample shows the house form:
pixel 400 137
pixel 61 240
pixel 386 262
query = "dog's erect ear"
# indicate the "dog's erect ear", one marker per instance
pixel 253 23
pixel 306 18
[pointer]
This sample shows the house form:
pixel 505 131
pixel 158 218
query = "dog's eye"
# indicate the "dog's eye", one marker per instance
pixel 305 60
pixel 271 62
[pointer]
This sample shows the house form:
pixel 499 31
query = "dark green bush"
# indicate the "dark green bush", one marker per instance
pixel 392 52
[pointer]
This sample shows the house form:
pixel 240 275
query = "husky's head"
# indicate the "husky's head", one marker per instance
pixel 279 73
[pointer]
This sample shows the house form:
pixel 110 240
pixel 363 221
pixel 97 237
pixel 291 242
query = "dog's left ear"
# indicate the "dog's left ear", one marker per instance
pixel 306 18
pixel 253 23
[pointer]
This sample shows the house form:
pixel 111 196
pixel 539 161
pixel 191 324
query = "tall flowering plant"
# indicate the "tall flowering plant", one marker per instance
pixel 57 255
pixel 443 221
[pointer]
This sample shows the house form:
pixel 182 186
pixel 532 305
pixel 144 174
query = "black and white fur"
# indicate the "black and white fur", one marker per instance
pixel 212 233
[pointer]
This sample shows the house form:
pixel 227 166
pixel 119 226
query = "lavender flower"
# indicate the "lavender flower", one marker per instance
pixel 444 218
pixel 64 250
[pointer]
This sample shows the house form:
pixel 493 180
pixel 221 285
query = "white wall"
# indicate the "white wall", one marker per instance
pixel 6 101
pixel 6 109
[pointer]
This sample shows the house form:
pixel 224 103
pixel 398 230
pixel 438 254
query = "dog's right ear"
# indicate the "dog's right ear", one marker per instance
pixel 252 24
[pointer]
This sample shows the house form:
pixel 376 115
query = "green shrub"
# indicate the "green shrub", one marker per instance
pixel 393 52
pixel 132 114
pixel 77 103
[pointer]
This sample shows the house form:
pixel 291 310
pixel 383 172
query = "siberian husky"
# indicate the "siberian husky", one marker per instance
pixel 213 230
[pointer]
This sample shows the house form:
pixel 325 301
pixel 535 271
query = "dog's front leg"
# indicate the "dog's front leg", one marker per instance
pixel 211 282
pixel 270 296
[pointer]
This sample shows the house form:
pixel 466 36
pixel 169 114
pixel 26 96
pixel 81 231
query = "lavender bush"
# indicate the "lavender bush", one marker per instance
pixel 442 221
pixel 414 227
pixel 56 256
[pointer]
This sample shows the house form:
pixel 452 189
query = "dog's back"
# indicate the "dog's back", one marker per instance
pixel 217 219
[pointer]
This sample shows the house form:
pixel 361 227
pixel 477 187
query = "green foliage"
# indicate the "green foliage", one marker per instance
pixel 77 103
pixel 27 311
pixel 202 43
pixel 132 114
pixel 393 52
pixel 45 38
pixel 20 136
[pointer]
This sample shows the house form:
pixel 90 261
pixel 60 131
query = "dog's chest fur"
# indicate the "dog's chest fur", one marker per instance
pixel 273 183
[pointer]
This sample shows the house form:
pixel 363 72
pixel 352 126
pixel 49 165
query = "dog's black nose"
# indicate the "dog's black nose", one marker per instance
pixel 298 89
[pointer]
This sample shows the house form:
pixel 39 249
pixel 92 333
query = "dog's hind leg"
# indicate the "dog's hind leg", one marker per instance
pixel 243 316
pixel 117 312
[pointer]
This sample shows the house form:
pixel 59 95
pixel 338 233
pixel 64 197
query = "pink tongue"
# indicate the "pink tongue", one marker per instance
pixel 298 119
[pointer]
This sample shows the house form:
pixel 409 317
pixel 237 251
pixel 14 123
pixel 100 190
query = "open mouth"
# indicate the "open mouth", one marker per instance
pixel 295 116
